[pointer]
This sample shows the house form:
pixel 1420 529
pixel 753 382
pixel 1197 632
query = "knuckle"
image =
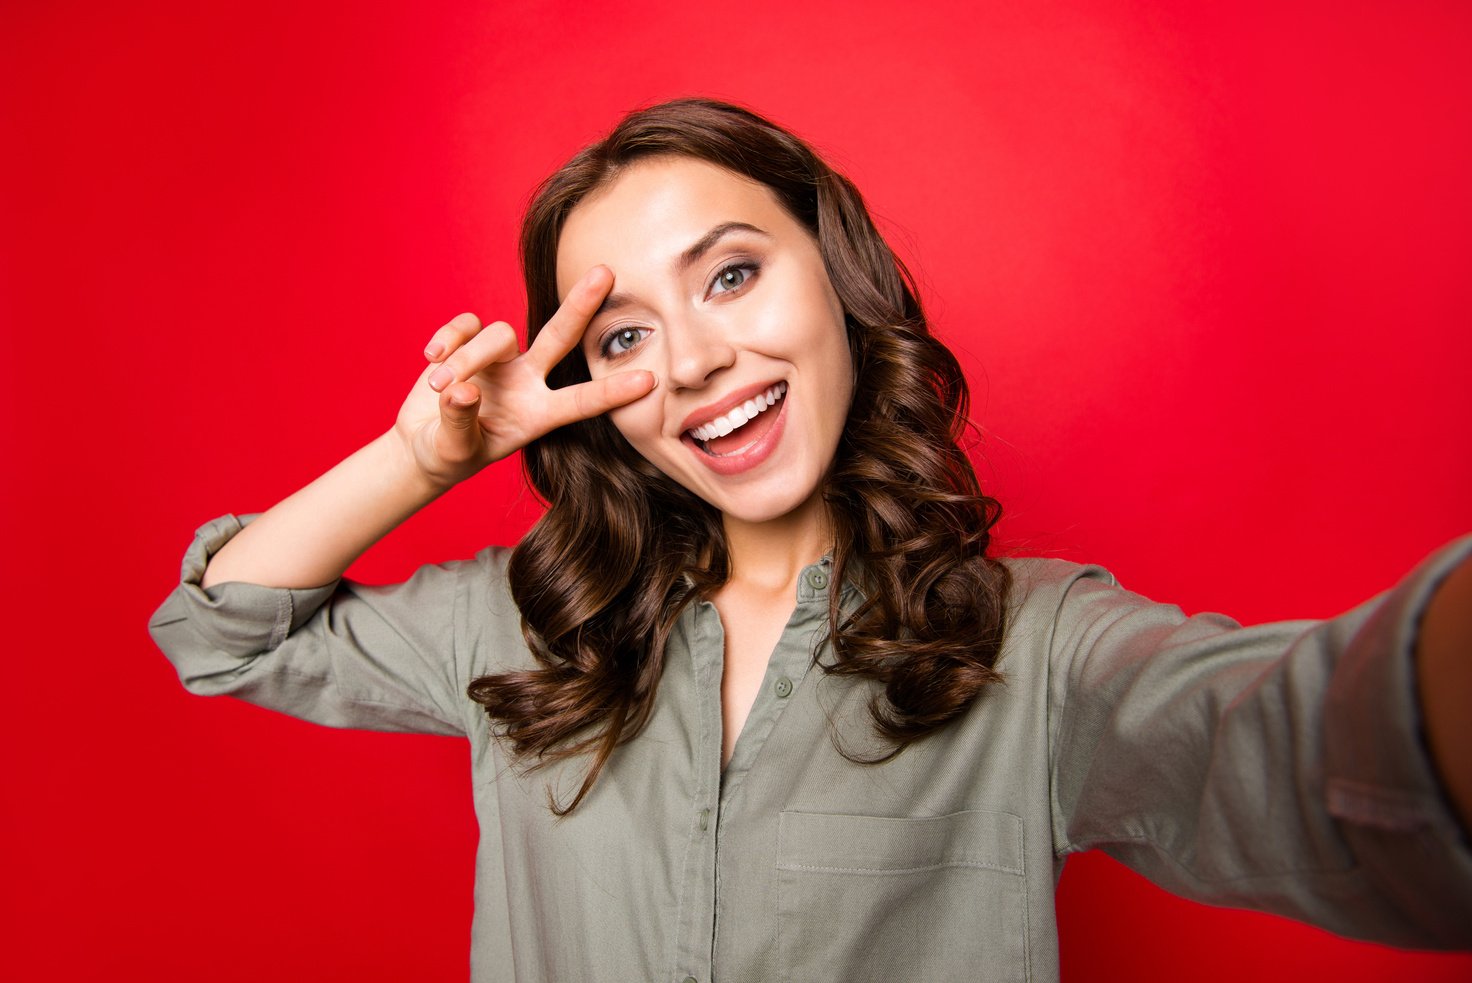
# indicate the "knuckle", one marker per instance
pixel 457 331
pixel 588 401
pixel 455 424
pixel 456 362
pixel 466 323
pixel 501 334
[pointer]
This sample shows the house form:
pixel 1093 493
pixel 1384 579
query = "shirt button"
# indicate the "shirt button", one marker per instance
pixel 691 979
pixel 783 686
pixel 704 820
pixel 817 579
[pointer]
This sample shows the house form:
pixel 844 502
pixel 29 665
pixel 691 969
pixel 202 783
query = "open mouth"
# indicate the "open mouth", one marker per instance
pixel 741 427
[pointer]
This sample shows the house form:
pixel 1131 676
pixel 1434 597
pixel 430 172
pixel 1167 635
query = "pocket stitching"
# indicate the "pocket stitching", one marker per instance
pixel 1010 844
pixel 978 864
pixel 1014 833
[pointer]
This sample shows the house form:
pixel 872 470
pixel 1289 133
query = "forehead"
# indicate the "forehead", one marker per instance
pixel 654 210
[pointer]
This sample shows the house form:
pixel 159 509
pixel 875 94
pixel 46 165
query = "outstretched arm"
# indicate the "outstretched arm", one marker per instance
pixel 478 400
pixel 1444 674
pixel 1281 767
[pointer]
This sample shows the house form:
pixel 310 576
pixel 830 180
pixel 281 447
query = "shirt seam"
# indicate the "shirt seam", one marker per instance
pixel 1199 878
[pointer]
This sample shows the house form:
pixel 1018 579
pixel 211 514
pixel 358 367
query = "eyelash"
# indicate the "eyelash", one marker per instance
pixel 605 347
pixel 749 268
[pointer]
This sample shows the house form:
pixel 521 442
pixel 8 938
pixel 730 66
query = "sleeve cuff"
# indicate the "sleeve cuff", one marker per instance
pixel 238 618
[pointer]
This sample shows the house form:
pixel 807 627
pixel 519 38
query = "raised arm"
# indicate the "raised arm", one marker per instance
pixel 478 400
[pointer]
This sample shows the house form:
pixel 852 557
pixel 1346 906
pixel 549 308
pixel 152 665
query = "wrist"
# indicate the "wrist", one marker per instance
pixel 400 468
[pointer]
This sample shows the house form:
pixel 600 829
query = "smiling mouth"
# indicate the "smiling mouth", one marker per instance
pixel 732 432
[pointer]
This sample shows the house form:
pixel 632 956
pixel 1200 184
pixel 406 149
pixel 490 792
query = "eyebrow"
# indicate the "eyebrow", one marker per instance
pixel 616 301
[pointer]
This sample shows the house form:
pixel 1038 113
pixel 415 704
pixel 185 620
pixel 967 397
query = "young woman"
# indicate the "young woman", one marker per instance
pixel 751 701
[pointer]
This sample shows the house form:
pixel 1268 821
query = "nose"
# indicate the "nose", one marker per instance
pixel 697 349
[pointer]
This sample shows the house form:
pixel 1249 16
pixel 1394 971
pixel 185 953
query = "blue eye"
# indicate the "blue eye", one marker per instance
pixel 622 341
pixel 733 277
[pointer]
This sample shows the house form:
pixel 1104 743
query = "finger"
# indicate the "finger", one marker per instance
pixel 461 329
pixel 493 343
pixel 459 432
pixel 565 330
pixel 589 399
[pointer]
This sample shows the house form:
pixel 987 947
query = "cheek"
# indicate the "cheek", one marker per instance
pixel 639 422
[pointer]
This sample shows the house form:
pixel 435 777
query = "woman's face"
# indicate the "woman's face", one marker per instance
pixel 722 295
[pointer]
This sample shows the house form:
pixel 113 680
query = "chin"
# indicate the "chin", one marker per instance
pixel 756 509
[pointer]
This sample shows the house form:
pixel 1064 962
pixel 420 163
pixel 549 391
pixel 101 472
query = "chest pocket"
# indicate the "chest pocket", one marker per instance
pixel 867 898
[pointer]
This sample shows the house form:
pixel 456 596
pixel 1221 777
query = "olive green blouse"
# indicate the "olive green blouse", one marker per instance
pixel 1276 767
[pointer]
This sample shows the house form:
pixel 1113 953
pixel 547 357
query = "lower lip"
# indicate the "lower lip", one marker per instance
pixel 748 457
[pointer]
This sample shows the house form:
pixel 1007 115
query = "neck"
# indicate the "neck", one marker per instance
pixel 770 555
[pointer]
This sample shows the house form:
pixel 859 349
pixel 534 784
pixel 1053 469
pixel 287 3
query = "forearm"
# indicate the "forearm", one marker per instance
pixel 1444 673
pixel 310 538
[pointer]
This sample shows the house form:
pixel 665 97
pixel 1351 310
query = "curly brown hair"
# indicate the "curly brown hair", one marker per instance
pixel 603 576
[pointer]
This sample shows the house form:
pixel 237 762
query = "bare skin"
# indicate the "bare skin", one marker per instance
pixel 756 603
pixel 478 400
pixel 720 293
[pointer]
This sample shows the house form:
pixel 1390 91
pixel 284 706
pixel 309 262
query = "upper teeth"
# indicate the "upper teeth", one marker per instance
pixel 740 416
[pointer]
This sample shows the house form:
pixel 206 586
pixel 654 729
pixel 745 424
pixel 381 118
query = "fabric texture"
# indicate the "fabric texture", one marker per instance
pixel 1277 767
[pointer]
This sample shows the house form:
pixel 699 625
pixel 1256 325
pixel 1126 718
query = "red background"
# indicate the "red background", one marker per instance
pixel 1208 266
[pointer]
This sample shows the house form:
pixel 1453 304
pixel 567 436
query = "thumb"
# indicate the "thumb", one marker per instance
pixel 459 431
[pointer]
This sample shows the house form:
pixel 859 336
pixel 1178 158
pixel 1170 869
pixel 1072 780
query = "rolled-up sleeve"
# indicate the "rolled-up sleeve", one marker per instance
pixel 1278 767
pixel 344 654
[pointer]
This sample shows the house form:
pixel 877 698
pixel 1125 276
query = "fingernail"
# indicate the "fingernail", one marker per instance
pixel 440 378
pixel 434 350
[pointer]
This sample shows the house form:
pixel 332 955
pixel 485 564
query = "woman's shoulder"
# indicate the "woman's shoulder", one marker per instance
pixel 492 621
pixel 1042 582
pixel 1062 606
